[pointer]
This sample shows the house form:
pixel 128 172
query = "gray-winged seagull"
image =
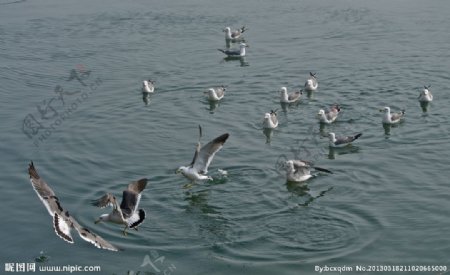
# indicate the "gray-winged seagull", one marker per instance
pixel 391 118
pixel 63 222
pixel 216 94
pixel 300 170
pixel 425 95
pixel 234 35
pixel 270 120
pixel 342 141
pixel 291 97
pixel 311 83
pixel 127 213
pixel 203 157
pixel 330 116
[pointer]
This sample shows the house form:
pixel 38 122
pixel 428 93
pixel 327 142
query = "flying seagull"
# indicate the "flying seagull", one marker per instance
pixel 300 170
pixel 389 118
pixel 127 213
pixel 291 97
pixel 270 120
pixel 235 52
pixel 203 157
pixel 63 222
pixel 425 95
pixel 330 116
pixel 234 35
pixel 342 141
pixel 311 83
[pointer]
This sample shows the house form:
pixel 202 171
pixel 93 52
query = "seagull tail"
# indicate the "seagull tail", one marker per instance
pixel 243 29
pixel 220 50
pixel 323 170
pixel 357 135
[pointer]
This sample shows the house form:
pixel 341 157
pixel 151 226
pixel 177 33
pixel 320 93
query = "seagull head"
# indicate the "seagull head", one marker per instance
pixel 267 116
pixel 289 165
pixel 385 110
pixel 332 136
pixel 283 90
pixel 181 170
pixel 103 218
pixel 227 29
pixel 243 45
pixel 321 112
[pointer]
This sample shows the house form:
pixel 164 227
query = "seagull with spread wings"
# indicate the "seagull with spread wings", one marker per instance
pixel 203 157
pixel 63 222
pixel 127 213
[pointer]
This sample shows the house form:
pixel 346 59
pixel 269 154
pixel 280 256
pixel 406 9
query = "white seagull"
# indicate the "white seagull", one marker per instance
pixel 63 222
pixel 216 94
pixel 425 95
pixel 330 116
pixel 234 35
pixel 336 142
pixel 311 83
pixel 148 86
pixel 235 52
pixel 291 97
pixel 300 170
pixel 203 157
pixel 127 213
pixel 270 120
pixel 389 118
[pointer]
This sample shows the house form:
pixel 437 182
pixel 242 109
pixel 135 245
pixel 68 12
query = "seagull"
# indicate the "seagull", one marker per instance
pixel 300 170
pixel 311 83
pixel 291 97
pixel 425 95
pixel 270 120
pixel 63 222
pixel 216 94
pixel 342 141
pixel 127 212
pixel 148 86
pixel 203 157
pixel 235 52
pixel 389 118
pixel 233 35
pixel 330 116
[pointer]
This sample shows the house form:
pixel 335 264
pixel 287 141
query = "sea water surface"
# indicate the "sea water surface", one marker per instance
pixel 70 85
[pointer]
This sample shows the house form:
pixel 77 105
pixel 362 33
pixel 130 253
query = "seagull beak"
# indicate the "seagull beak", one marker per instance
pixel 381 110
pixel 177 171
pixel 97 221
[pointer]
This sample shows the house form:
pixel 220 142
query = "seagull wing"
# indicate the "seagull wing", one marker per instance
pixel 206 153
pixel 294 96
pixel 91 237
pixel 106 200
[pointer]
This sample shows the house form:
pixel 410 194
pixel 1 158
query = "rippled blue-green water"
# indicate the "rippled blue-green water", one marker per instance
pixel 386 203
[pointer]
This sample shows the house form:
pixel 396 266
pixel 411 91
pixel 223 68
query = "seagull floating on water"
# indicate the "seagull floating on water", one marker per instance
pixel 389 118
pixel 63 222
pixel 311 83
pixel 216 94
pixel 336 142
pixel 235 52
pixel 425 95
pixel 291 97
pixel 330 116
pixel 270 120
pixel 148 86
pixel 300 170
pixel 234 35
pixel 203 157
pixel 127 213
